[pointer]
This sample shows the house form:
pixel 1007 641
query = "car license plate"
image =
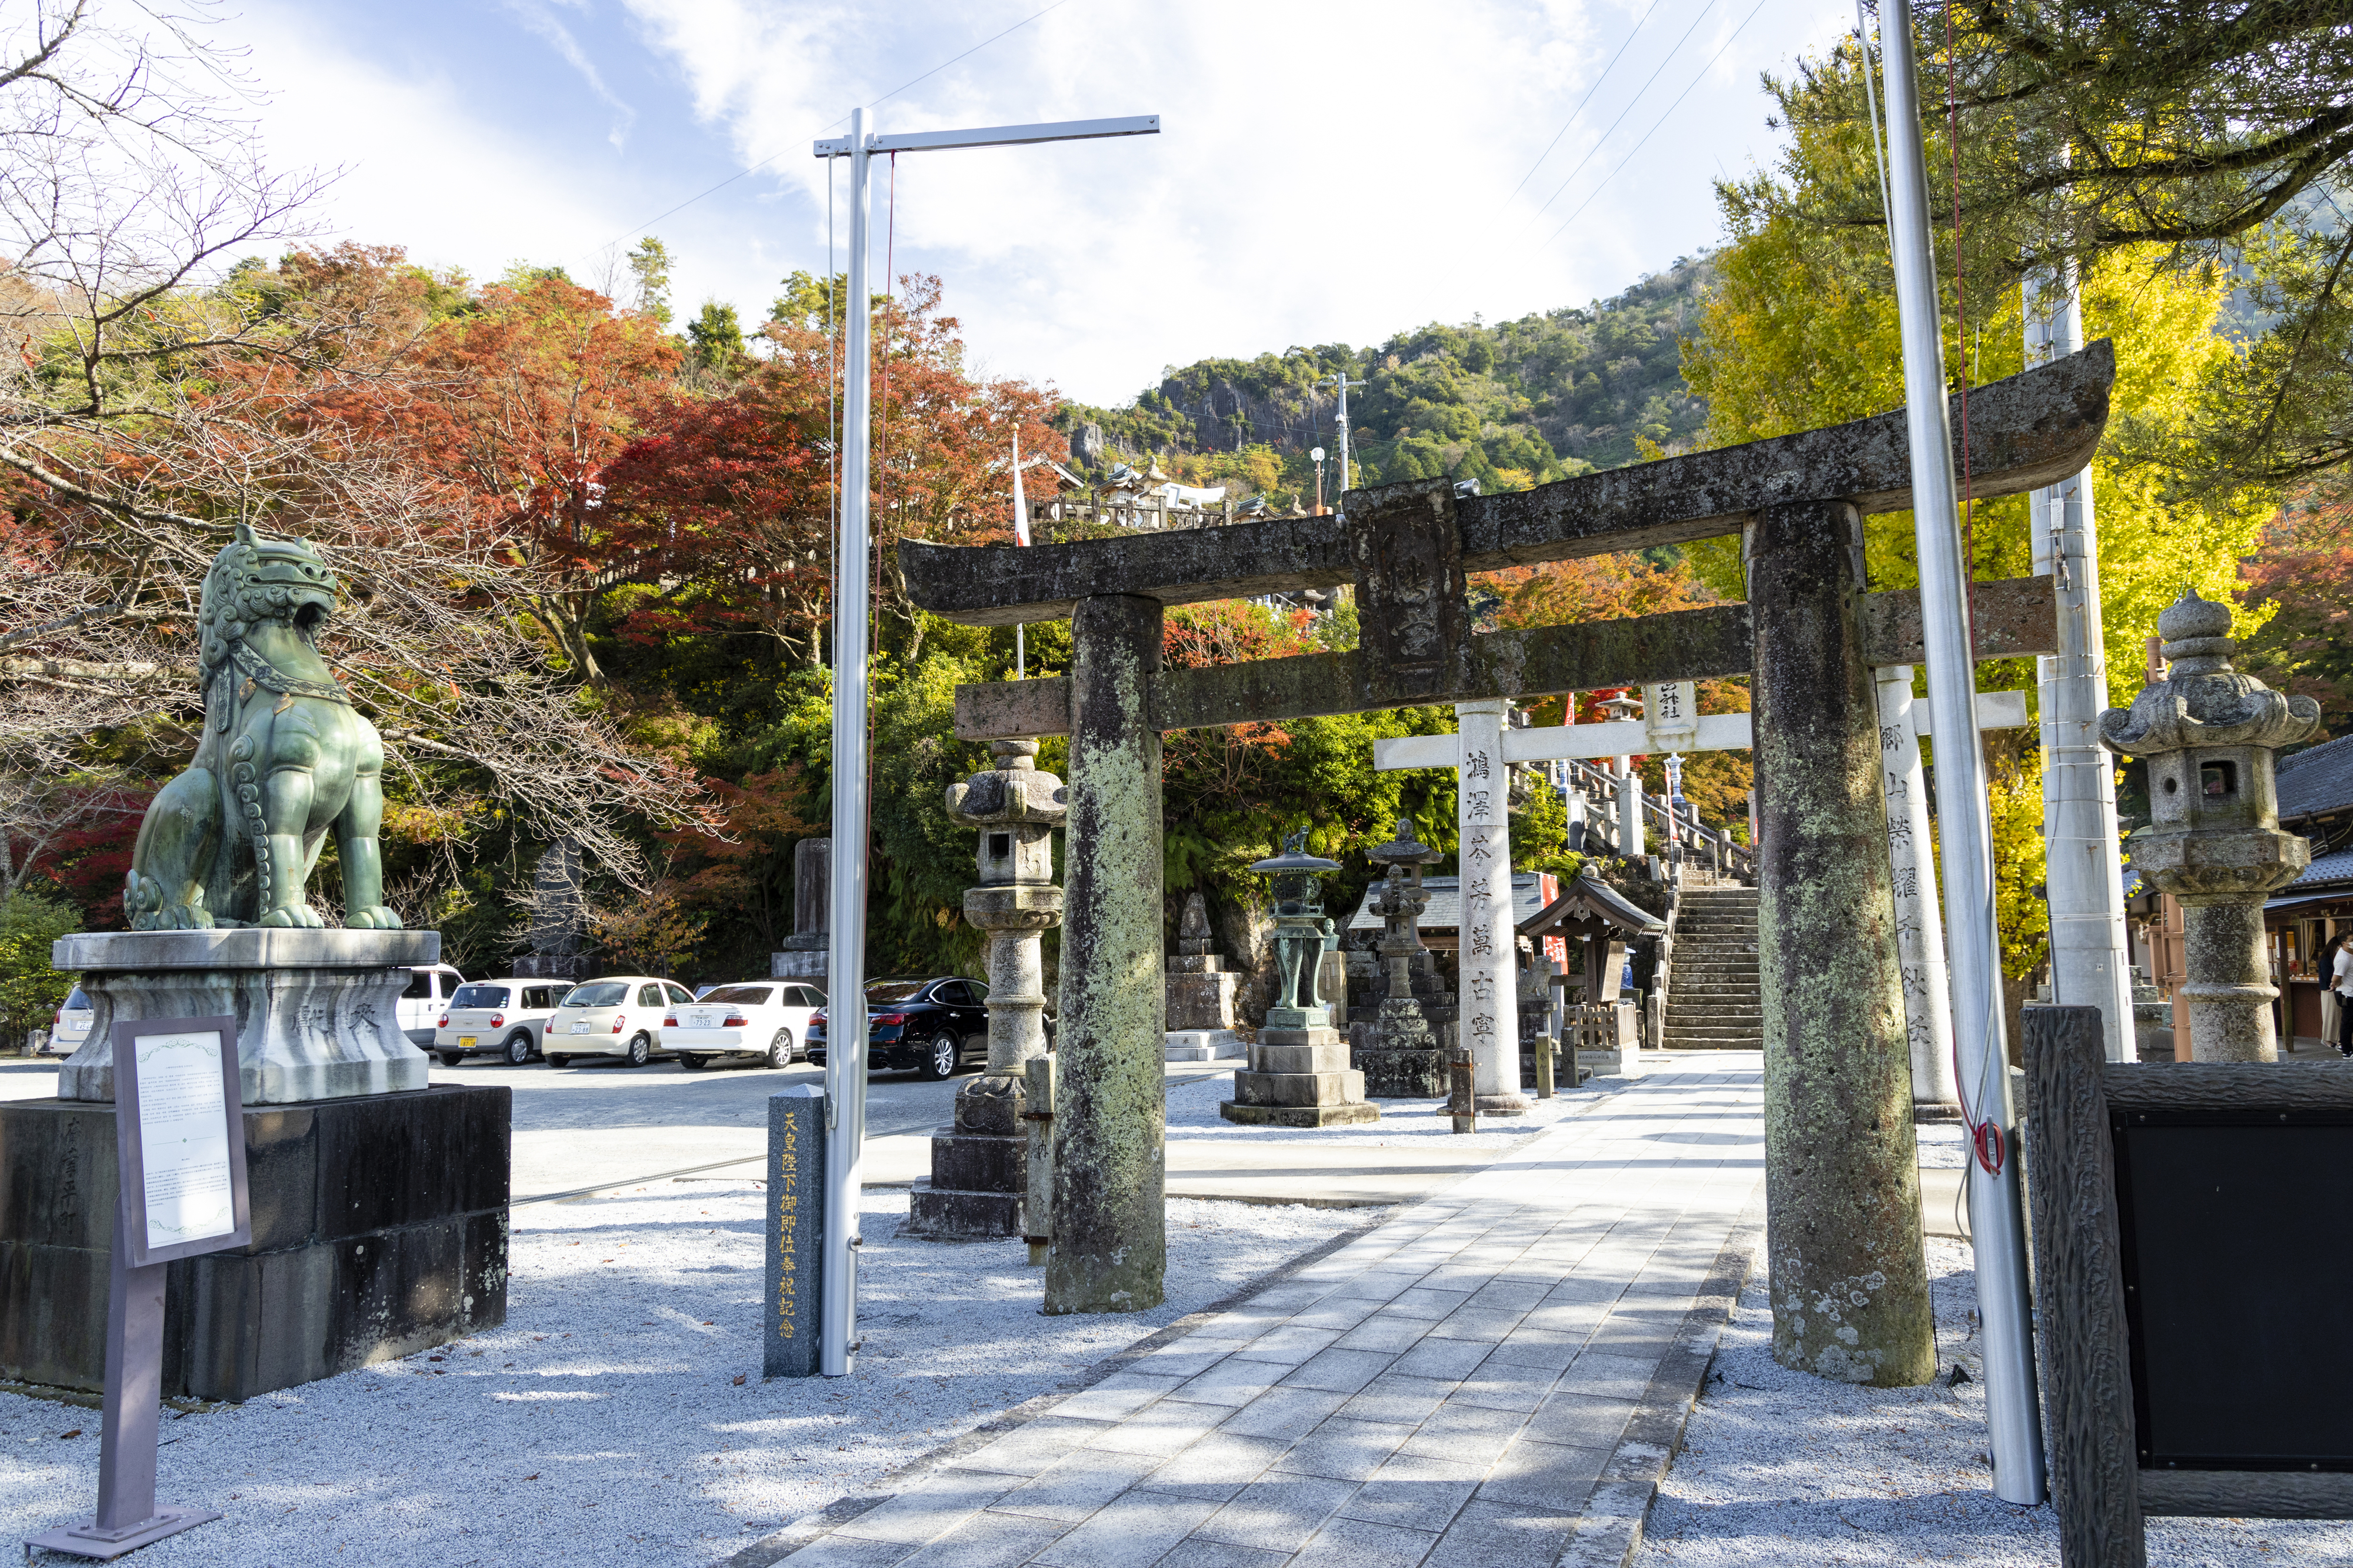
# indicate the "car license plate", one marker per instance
pixel 705 1020
pixel 580 1025
pixel 466 1042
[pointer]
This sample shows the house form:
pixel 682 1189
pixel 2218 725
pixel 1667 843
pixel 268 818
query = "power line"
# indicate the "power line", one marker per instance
pixel 1622 115
pixel 754 169
pixel 1582 101
pixel 1663 118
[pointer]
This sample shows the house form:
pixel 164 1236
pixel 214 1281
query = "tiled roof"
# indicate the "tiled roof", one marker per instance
pixel 2316 782
pixel 2326 873
pixel 1444 911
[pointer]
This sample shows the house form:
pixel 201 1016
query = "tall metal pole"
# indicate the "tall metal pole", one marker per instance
pixel 2082 873
pixel 845 1057
pixel 2012 1412
pixel 1340 420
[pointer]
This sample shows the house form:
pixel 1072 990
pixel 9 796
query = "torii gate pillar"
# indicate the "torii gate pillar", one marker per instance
pixel 1110 1239
pixel 1842 1182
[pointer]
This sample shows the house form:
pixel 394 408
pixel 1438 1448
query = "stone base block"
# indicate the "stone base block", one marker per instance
pixel 944 1213
pixel 318 1011
pixel 1298 1087
pixel 1611 1064
pixel 1403 1074
pixel 379 1230
pixel 1300 1115
pixel 1201 999
pixel 1501 1104
pixel 1202 1046
pixel 1331 1056
pixel 978 1162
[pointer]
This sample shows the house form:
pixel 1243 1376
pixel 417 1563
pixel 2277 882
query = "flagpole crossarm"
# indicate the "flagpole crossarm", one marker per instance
pixel 994 136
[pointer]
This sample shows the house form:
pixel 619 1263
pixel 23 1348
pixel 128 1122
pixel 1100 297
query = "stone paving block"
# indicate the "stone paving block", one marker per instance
pixel 1289 1345
pixel 1580 1420
pixel 1385 1332
pixel 1162 1429
pixel 1502 1536
pixel 849 1551
pixel 1544 1475
pixel 1343 1450
pixel 1288 1414
pixel 1072 1491
pixel 1393 1398
pixel 1185 1358
pixel 1342 1372
pixel 1471 1433
pixel 989 1541
pixel 1611 1377
pixel 1501 1386
pixel 1446 1358
pixel 1424 1302
pixel 1198 1554
pixel 1578 1318
pixel 1416 1491
pixel 1536 1351
pixel 1214 1469
pixel 1134 1532
pixel 1477 1324
pixel 1509 1295
pixel 1232 1382
pixel 1338 1313
pixel 1116 1398
pixel 1033 1447
pixel 929 1508
pixel 1365 1543
pixel 1277 1515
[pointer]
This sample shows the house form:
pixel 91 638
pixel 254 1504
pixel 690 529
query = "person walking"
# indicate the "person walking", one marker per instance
pixel 2340 984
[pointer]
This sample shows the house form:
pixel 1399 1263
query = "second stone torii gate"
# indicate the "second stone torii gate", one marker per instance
pixel 1842 1182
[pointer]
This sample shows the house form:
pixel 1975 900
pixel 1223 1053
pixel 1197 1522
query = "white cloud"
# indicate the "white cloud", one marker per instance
pixel 544 25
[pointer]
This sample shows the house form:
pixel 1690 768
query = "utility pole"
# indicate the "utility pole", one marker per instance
pixel 845 1061
pixel 2012 1416
pixel 2083 873
pixel 1341 419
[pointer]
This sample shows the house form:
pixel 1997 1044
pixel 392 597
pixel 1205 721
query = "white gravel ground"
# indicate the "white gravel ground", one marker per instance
pixel 1784 1470
pixel 1193 1114
pixel 619 1417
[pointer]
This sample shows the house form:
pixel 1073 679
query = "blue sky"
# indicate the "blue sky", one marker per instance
pixel 1327 171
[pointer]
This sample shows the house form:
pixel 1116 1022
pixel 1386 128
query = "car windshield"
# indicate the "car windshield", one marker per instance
pixel 77 1002
pixel 749 996
pixel 894 990
pixel 480 996
pixel 598 993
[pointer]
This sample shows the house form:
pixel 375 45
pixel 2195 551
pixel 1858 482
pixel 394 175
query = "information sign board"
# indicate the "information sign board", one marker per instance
pixel 180 1138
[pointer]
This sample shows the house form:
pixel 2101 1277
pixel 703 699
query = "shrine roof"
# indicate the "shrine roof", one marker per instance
pixel 2316 782
pixel 1444 911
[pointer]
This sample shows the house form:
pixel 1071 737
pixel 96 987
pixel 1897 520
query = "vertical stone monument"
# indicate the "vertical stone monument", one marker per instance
pixel 2208 734
pixel 1404 1060
pixel 1299 1074
pixel 804 954
pixel 1201 992
pixel 979 1165
pixel 379 1202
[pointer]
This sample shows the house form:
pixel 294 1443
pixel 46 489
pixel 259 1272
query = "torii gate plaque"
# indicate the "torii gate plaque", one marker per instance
pixel 1841 1183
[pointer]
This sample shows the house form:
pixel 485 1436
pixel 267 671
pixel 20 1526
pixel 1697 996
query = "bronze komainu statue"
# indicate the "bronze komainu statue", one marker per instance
pixel 284 757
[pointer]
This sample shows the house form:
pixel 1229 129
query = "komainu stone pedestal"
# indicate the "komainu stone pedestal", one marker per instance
pixel 317 1010
pixel 979 1168
pixel 1299 1077
pixel 379 1230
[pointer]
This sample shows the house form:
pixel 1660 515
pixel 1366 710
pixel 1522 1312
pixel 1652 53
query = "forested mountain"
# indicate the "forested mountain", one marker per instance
pixel 1512 404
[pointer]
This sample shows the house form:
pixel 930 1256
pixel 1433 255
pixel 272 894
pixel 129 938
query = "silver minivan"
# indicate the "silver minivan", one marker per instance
pixel 71 1025
pixel 497 1017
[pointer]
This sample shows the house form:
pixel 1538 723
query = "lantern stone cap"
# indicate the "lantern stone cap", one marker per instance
pixel 1294 857
pixel 2204 703
pixel 1405 849
pixel 1014 793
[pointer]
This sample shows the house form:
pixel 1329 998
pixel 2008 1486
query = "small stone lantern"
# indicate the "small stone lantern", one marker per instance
pixel 2209 734
pixel 1405 1059
pixel 979 1166
pixel 1299 1075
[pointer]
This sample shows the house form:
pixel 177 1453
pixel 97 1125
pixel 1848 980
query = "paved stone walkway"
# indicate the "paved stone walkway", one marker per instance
pixel 1496 1377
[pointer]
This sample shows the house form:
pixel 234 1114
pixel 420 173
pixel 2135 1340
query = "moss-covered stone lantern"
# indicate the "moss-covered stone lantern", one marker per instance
pixel 2209 734
pixel 1299 1074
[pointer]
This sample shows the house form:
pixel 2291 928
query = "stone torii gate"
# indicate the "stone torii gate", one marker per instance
pixel 1842 1185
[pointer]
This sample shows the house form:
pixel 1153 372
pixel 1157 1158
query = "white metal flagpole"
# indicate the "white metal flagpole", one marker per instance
pixel 2013 1416
pixel 845 1009
pixel 845 1059
pixel 1021 536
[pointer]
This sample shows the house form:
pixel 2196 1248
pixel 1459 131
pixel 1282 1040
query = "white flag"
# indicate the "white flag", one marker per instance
pixel 1020 507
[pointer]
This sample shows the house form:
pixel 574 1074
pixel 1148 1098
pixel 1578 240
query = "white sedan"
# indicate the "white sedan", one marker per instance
pixel 758 1018
pixel 618 1016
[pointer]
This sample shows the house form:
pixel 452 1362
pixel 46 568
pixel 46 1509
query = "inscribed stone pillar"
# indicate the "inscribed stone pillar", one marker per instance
pixel 1630 810
pixel 1109 1246
pixel 1919 925
pixel 1848 1274
pixel 1491 1025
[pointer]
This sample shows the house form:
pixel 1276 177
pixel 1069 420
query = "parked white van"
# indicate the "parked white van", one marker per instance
pixel 619 1016
pixel 427 997
pixel 497 1017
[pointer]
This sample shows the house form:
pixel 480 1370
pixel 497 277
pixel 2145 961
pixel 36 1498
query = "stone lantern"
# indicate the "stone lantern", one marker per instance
pixel 1299 1075
pixel 979 1166
pixel 2208 734
pixel 1405 1059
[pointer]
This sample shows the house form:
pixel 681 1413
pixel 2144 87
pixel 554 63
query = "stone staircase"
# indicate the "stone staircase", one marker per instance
pixel 1712 990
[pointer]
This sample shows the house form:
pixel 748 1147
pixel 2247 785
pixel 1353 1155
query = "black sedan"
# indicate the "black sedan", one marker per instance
pixel 930 1025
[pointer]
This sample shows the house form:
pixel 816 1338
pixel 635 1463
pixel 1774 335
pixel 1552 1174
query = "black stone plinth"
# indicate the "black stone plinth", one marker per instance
pixel 1403 1074
pixel 379 1229
pixel 980 1168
